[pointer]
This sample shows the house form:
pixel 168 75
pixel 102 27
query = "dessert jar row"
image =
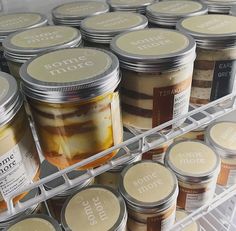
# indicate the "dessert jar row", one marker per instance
pixel 10 23
pixel 74 101
pixel 19 161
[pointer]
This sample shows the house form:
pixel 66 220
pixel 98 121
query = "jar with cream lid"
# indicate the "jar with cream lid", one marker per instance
pixel 222 136
pixel 168 13
pixel 150 191
pixel 74 103
pixel 55 203
pixel 21 46
pixel 95 208
pixel 100 29
pixel 10 23
pixel 214 68
pixel 19 161
pixel 138 6
pixel 219 6
pixel 196 166
pixel 157 66
pixel 35 222
pixel 72 13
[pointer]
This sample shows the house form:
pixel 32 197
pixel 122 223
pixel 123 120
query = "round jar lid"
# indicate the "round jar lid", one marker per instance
pixel 47 169
pixel 210 31
pixel 148 186
pixel 222 136
pixel 72 13
pixel 13 22
pixel 21 46
pixel 102 28
pixel 129 5
pixel 170 12
pixel 219 6
pixel 10 99
pixel 69 75
pixel 35 222
pixel 192 161
pixel 149 50
pixel 94 208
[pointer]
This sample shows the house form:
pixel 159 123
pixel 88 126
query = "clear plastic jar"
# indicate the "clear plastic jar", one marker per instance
pixel 157 66
pixel 214 71
pixel 150 191
pixel 74 102
pixel 97 208
pixel 12 22
pixel 167 13
pixel 99 30
pixel 24 45
pixel 19 161
pixel 72 13
pixel 196 166
pixel 222 137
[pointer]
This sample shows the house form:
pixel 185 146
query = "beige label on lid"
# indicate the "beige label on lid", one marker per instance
pixel 211 24
pixel 69 65
pixel 181 215
pixel 147 182
pixel 175 7
pixel 17 21
pixel 92 209
pixel 224 134
pixel 151 42
pixel 131 2
pixel 4 87
pixel 44 37
pixel 81 9
pixel 192 157
pixel 36 224
pixel 113 21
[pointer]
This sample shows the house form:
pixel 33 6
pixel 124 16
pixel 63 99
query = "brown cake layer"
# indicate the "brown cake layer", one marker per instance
pixel 198 101
pixel 137 110
pixel 201 83
pixel 204 65
pixel 135 94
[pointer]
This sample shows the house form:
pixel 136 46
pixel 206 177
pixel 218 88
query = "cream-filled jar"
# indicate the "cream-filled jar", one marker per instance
pixel 19 161
pixel 219 6
pixel 138 6
pixel 168 13
pixel 95 208
pixel 12 22
pixel 196 166
pixel 222 136
pixel 73 97
pixel 150 191
pixel 55 203
pixel 72 13
pixel 100 29
pixel 214 68
pixel 157 66
pixel 24 45
pixel 35 222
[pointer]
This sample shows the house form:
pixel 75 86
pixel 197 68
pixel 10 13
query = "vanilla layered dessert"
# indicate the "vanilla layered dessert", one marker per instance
pixel 76 118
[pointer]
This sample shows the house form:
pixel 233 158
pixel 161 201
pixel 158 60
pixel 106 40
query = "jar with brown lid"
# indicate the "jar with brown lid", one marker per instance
pixel 24 45
pixel 214 68
pixel 196 166
pixel 19 161
pixel 167 13
pixel 74 101
pixel 99 30
pixel 218 6
pixel 157 66
pixel 72 13
pixel 12 22
pixel 150 191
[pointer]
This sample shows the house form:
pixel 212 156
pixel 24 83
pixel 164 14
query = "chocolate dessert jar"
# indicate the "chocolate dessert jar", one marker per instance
pixel 215 65
pixel 74 102
pixel 157 66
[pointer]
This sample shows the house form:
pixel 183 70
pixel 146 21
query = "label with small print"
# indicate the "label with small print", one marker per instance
pixel 227 174
pixel 223 79
pixel 3 62
pixel 18 167
pixel 172 100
